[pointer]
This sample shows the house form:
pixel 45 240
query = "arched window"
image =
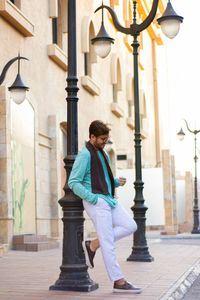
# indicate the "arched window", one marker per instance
pixel 116 81
pixel 59 23
pixel 90 57
pixel 16 3
pixel 23 167
pixel 117 84
pixel 57 50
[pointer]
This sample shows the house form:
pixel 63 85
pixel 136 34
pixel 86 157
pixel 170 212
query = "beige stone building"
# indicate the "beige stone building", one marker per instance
pixel 33 134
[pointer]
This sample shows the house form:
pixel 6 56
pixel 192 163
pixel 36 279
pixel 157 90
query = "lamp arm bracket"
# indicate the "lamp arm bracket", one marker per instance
pixel 187 126
pixel 117 25
pixel 149 18
pixel 7 66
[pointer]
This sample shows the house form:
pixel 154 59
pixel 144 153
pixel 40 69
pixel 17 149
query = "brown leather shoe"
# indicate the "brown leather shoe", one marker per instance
pixel 89 254
pixel 127 287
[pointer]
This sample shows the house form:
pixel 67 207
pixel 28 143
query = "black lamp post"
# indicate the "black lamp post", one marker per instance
pixel 74 275
pixel 18 89
pixel 170 23
pixel 181 136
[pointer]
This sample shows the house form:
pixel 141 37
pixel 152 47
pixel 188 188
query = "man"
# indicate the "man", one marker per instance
pixel 92 180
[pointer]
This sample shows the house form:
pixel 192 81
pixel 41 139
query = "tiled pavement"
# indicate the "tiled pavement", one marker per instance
pixel 28 275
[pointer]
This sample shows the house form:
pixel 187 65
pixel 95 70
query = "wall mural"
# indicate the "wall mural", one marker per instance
pixel 19 184
pixel 23 167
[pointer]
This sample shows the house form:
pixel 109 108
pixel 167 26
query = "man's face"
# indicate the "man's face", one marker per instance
pixel 100 141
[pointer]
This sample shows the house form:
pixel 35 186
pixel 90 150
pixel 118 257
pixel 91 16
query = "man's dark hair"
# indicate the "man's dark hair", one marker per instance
pixel 98 128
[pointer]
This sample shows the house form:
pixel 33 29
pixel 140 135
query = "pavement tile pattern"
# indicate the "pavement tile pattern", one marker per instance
pixel 28 275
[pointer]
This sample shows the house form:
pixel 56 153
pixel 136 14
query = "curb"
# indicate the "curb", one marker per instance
pixel 183 284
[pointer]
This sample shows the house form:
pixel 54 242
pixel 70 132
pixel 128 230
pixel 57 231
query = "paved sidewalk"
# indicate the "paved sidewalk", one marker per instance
pixel 28 275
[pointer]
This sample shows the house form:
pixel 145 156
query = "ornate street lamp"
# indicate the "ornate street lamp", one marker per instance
pixel 181 136
pixel 102 42
pixel 73 275
pixel 169 23
pixel 17 89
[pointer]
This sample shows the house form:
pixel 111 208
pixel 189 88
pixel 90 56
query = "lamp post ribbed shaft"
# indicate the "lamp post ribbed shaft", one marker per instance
pixel 74 275
pixel 140 249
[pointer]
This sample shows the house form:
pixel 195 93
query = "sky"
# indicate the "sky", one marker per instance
pixel 184 56
pixel 184 73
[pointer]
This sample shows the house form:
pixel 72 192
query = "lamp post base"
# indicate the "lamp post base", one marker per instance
pixel 140 254
pixel 195 228
pixel 81 284
pixel 195 231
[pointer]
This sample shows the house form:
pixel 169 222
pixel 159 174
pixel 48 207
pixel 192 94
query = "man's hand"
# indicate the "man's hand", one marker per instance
pixel 122 181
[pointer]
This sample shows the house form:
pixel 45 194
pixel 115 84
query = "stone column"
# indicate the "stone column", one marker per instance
pixel 189 196
pixel 169 184
pixel 6 218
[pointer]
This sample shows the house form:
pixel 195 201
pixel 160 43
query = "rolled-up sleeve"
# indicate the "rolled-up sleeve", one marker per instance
pixel 116 182
pixel 76 178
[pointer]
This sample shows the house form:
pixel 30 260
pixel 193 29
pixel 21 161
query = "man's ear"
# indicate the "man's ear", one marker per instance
pixel 92 136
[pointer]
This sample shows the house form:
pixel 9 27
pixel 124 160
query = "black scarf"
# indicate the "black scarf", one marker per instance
pixel 98 181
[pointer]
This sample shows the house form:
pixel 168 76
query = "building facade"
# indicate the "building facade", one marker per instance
pixel 34 133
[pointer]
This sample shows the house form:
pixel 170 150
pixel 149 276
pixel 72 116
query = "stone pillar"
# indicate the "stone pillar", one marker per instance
pixel 169 184
pixel 189 196
pixel 6 218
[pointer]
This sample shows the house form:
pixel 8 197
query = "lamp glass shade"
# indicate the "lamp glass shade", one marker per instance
pixel 18 90
pixel 102 48
pixel 181 134
pixel 170 27
pixel 18 95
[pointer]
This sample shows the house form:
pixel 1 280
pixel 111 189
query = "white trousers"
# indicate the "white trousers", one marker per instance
pixel 111 224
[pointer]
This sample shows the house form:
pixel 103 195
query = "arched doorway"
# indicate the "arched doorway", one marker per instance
pixel 23 168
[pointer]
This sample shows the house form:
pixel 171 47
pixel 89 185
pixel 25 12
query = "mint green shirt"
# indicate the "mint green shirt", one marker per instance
pixel 80 179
